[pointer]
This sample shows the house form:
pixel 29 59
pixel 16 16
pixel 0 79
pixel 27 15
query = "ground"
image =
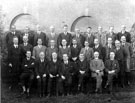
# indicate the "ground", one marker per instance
pixel 126 95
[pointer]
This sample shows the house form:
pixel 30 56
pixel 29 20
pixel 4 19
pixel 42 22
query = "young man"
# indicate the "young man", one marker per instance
pixel 97 67
pixel 53 70
pixel 112 69
pixel 87 51
pixel 39 48
pixel 27 74
pixel 65 35
pixel 41 74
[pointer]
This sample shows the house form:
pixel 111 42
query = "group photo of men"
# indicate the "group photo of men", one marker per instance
pixel 69 63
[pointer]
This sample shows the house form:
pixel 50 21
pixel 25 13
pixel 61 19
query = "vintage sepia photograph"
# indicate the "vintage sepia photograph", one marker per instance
pixel 67 51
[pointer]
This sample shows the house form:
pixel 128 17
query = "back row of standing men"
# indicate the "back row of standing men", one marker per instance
pixel 72 45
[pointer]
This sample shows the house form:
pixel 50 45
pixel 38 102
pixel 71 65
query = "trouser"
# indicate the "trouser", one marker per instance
pixel 81 82
pixel 64 86
pixel 53 86
pixel 26 78
pixel 42 85
pixel 98 81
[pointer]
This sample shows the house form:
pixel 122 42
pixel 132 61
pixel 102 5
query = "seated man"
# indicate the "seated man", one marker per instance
pixel 65 79
pixel 27 74
pixel 112 68
pixel 97 67
pixel 83 71
pixel 41 74
pixel 53 71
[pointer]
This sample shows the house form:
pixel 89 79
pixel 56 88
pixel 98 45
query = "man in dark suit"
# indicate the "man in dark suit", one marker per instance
pixel 53 70
pixel 41 35
pixel 29 34
pixel 111 34
pixel 80 38
pixel 65 80
pixel 13 33
pixel 128 48
pixel 14 61
pixel 89 36
pixel 99 48
pixel 65 35
pixel 25 47
pixel 120 54
pixel 112 69
pixel 41 74
pixel 27 74
pixel 83 67
pixel 97 67
pixel 109 48
pixel 124 33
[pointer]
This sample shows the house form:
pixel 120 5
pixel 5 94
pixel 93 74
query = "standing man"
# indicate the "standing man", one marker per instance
pixel 41 74
pixel 90 37
pixel 97 67
pixel 39 48
pixel 87 52
pixel 128 48
pixel 13 33
pixel 124 33
pixel 112 69
pixel 65 35
pixel 120 55
pixel 111 34
pixel 50 50
pixel 27 73
pixel 14 61
pixel 25 46
pixel 41 35
pixel 52 36
pixel 80 38
pixel 101 36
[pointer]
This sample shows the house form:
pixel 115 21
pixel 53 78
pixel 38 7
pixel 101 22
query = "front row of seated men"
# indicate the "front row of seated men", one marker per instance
pixel 56 77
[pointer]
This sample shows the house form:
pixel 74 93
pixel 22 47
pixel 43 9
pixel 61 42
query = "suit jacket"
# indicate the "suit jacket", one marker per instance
pixel 30 65
pixel 126 34
pixel 37 50
pixel 108 50
pixel 112 65
pixel 90 39
pixel 42 36
pixel 80 40
pixel 66 69
pixel 41 67
pixel 24 49
pixel 83 65
pixel 101 51
pixel 10 36
pixel 96 65
pixel 50 37
pixel 101 37
pixel 113 36
pixel 87 53
pixel 75 51
pixel 64 51
pixel 54 67
pixel 30 38
pixel 49 52
pixel 67 37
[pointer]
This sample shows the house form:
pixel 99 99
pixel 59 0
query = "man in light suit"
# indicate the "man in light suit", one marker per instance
pixel 87 51
pixel 39 48
pixel 128 48
pixel 97 67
